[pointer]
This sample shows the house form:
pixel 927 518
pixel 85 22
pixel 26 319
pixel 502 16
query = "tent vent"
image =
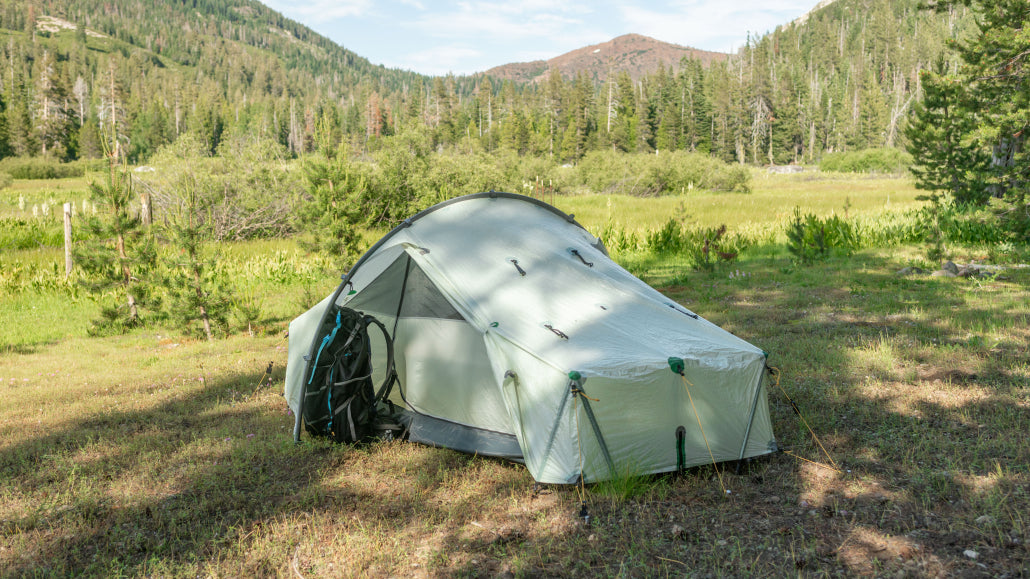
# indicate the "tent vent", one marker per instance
pixel 515 262
pixel 688 314
pixel 557 332
pixel 576 252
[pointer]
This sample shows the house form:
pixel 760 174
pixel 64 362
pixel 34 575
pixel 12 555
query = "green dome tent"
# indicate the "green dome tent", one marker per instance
pixel 515 335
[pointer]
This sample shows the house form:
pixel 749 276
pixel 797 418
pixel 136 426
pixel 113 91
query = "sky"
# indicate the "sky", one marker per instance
pixel 468 36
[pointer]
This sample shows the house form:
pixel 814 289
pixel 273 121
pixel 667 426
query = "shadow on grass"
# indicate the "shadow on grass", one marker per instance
pixel 927 422
pixel 898 377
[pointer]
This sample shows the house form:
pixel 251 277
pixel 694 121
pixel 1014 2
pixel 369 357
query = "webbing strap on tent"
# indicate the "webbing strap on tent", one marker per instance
pixel 681 451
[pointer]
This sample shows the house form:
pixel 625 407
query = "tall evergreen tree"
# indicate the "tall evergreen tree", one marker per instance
pixel 940 139
pixel 994 84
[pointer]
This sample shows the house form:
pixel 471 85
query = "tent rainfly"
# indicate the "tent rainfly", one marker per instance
pixel 515 335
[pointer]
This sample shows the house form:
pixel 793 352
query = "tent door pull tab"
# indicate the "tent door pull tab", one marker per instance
pixel 580 256
pixel 557 332
pixel 515 262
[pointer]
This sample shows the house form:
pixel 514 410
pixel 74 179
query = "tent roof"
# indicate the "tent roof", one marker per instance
pixel 602 319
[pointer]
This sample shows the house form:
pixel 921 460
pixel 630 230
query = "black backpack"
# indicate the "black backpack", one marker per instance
pixel 339 401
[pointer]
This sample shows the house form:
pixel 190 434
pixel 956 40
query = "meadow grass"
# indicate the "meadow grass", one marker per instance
pixel 151 454
pixel 38 191
pixel 770 203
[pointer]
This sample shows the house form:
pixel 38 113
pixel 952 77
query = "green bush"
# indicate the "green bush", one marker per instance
pixel 891 161
pixel 704 246
pixel 33 233
pixel 644 175
pixel 5 180
pixel 41 168
pixel 810 238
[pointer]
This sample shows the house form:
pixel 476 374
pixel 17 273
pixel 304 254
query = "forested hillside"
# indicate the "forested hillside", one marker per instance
pixel 77 73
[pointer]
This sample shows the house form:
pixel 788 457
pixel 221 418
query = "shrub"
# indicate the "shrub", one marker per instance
pixel 29 233
pixel 891 161
pixel 646 175
pixel 42 168
pixel 705 246
pixel 810 238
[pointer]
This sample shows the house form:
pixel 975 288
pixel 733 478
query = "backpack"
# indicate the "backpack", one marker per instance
pixel 339 400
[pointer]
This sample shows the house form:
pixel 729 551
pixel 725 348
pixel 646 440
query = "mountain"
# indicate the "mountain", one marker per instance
pixel 804 17
pixel 633 53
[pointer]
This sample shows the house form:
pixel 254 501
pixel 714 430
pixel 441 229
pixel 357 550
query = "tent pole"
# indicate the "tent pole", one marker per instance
pixel 400 302
pixel 751 418
pixel 554 429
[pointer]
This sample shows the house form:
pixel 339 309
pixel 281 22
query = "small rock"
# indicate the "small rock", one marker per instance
pixel 967 271
pixel 772 499
pixel 909 271
pixel 678 532
pixel 984 520
pixel 721 542
pixel 593 538
pixel 942 273
pixel 971 553
pixel 803 504
pixel 950 266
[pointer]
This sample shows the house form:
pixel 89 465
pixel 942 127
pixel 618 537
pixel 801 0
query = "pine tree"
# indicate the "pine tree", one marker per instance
pixel 996 69
pixel 993 85
pixel 118 257
pixel 198 292
pixel 940 139
pixel 331 221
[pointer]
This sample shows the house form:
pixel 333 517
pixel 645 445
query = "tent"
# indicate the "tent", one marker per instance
pixel 515 335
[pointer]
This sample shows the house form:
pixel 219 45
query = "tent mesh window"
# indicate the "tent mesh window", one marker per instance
pixel 404 284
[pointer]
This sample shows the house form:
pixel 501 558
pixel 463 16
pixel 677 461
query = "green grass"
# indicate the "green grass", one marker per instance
pixel 149 454
pixel 770 203
pixel 37 192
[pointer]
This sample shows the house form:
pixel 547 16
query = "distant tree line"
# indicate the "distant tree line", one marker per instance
pixel 136 75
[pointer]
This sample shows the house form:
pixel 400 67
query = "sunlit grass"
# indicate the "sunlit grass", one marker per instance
pixel 770 203
pixel 150 454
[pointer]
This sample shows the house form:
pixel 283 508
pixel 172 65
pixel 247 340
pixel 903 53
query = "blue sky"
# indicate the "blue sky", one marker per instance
pixel 469 36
